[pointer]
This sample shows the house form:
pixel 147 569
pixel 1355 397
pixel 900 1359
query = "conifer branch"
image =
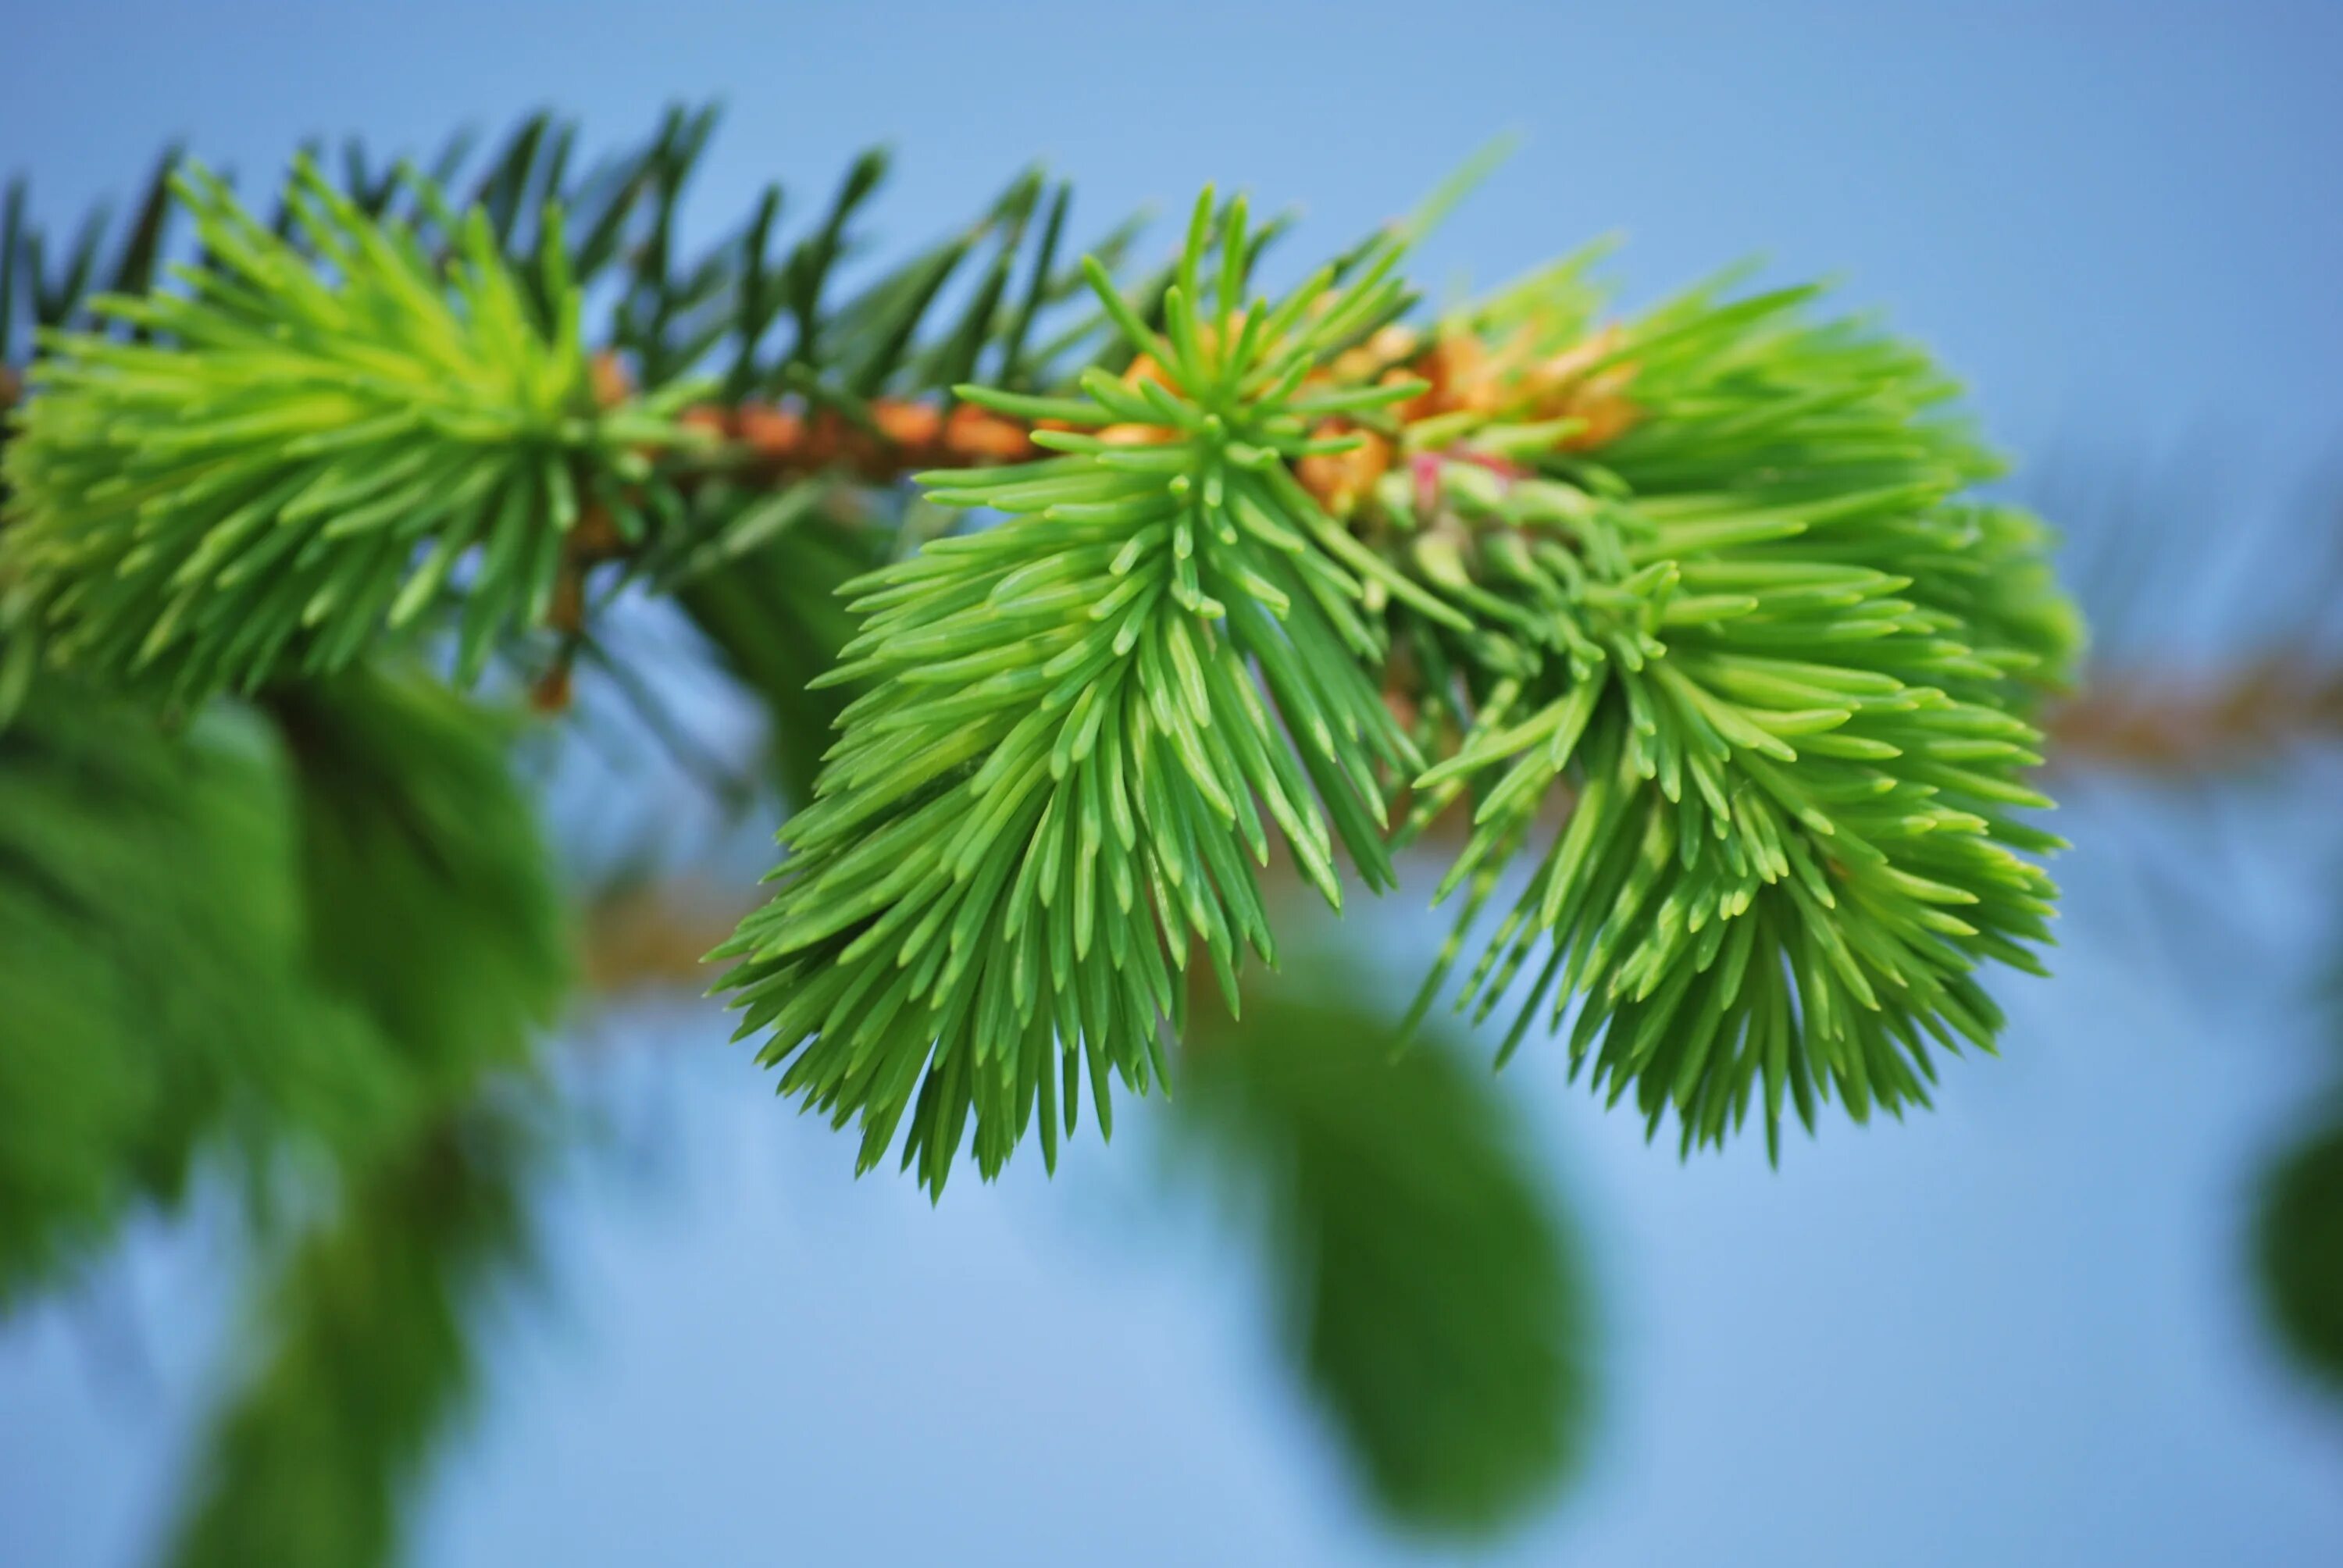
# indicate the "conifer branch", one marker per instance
pixel 1701 589
pixel 2151 725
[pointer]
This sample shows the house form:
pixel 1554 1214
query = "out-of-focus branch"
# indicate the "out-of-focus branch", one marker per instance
pixel 2136 722
pixel 654 934
pixel 2125 721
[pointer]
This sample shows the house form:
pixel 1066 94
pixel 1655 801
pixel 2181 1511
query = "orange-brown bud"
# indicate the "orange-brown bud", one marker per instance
pixel 1145 368
pixel 913 427
pixel 775 434
pixel 1388 347
pixel 1137 435
pixel 1568 386
pixel 607 374
pixel 1606 406
pixel 707 418
pixel 974 435
pixel 1340 480
pixel 1456 366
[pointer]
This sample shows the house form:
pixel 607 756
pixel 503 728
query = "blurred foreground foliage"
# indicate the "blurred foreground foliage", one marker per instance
pixel 431 895
pixel 2298 1248
pixel 363 1352
pixel 1433 1299
pixel 301 946
pixel 159 995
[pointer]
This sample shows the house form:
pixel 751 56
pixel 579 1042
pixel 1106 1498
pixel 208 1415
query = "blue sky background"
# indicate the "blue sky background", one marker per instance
pixel 2015 1330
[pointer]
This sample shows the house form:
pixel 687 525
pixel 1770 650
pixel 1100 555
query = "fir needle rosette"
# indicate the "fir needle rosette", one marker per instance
pixel 325 435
